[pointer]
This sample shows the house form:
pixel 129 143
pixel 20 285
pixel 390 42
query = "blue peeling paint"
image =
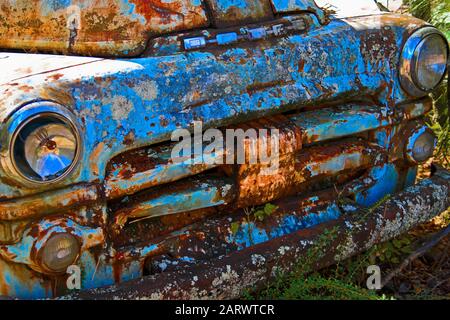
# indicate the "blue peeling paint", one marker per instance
pixel 250 234
pixel 386 182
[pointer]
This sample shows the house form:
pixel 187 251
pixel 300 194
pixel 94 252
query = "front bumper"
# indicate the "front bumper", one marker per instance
pixel 230 275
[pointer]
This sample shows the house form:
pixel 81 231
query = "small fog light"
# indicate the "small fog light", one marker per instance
pixel 421 146
pixel 59 252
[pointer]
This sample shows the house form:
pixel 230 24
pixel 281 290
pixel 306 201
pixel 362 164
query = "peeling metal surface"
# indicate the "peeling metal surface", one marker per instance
pixel 105 28
pixel 151 167
pixel 298 170
pixel 200 194
pixel 291 6
pixel 123 27
pixel 228 13
pixel 44 204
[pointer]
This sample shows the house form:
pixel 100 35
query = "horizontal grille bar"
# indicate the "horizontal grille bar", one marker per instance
pixel 126 176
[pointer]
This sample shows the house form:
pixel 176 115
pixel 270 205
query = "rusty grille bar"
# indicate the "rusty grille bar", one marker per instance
pixel 315 126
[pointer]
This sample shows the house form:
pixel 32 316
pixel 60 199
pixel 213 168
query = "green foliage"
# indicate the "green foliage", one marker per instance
pixel 304 284
pixel 420 8
pixel 253 215
pixel 265 212
pixel 440 15
pixel 446 217
pixel 316 286
pixel 235 226
pixel 392 251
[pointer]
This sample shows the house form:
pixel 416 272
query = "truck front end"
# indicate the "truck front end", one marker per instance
pixel 122 166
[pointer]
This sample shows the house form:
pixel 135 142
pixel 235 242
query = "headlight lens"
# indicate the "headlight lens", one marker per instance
pixel 60 252
pixel 430 62
pixel 424 61
pixel 421 145
pixel 45 148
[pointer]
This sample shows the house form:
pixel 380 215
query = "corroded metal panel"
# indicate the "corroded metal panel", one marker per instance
pixel 227 13
pixel 187 196
pixel 95 27
pixel 291 6
pixel 314 164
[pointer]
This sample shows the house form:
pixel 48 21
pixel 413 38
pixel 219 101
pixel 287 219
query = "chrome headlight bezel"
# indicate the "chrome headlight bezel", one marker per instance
pixel 18 121
pixel 409 61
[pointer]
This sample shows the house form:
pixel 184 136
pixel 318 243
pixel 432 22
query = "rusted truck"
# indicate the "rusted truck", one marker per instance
pixel 92 92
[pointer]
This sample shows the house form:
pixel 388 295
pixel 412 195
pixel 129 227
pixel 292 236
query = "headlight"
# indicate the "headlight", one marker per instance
pixel 60 252
pixel 424 61
pixel 420 145
pixel 44 148
pixel 45 144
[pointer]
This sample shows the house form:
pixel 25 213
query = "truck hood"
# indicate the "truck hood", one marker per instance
pixel 120 28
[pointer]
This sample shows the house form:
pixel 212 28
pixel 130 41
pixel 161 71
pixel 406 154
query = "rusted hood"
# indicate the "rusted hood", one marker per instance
pixel 122 28
pixel 94 27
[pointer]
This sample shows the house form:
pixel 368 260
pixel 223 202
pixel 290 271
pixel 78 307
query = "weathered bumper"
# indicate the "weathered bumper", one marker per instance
pixel 227 276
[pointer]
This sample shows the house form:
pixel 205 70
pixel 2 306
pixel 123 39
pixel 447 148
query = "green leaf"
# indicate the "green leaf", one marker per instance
pixel 388 254
pixel 235 226
pixel 269 209
pixel 260 215
pixel 406 250
pixel 397 243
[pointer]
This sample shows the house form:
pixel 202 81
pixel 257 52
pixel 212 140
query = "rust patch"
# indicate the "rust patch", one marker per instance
pixel 254 88
pixel 226 14
pixel 129 138
pixel 55 77
pixel 94 157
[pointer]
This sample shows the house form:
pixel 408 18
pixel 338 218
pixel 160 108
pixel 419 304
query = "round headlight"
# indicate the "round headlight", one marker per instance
pixel 45 148
pixel 60 252
pixel 421 145
pixel 424 61
pixel 430 62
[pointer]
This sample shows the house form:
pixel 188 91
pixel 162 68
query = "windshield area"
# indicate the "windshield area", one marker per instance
pixel 350 8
